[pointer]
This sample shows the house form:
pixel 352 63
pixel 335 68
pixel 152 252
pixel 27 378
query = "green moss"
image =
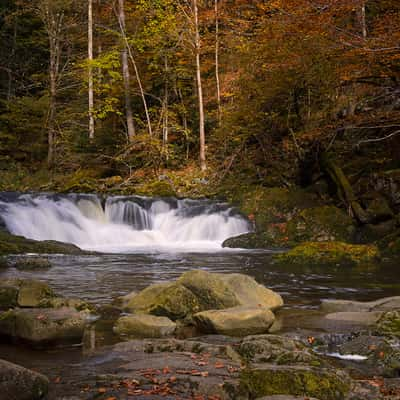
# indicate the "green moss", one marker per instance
pixel 389 324
pixel 293 381
pixel 11 244
pixel 8 296
pixel 331 253
pixel 325 223
pixel 157 189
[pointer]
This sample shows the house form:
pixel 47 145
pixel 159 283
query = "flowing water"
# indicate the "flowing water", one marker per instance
pixel 141 241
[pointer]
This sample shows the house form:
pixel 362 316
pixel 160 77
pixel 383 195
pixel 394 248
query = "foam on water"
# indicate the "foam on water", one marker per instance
pixel 122 224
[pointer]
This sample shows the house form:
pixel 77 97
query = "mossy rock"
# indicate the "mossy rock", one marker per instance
pixel 39 325
pixel 144 326
pixel 275 205
pixel 252 240
pixel 276 229
pixel 267 379
pixel 32 263
pixel 5 263
pixel 210 289
pixel 170 300
pixel 31 293
pixel 329 253
pixel 278 350
pixel 235 321
pixel 20 383
pixel 157 189
pixel 327 223
pixel 390 244
pixel 60 302
pixel 11 244
pixel 389 324
pixel 8 296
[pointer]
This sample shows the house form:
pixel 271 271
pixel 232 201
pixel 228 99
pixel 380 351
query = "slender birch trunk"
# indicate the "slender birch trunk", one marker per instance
pixel 203 164
pixel 363 21
pixel 165 106
pixel 126 76
pixel 90 69
pixel 53 21
pixel 217 63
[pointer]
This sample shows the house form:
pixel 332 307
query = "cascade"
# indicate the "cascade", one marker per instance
pixel 121 223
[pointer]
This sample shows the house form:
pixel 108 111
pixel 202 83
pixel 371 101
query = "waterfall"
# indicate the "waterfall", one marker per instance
pixel 121 223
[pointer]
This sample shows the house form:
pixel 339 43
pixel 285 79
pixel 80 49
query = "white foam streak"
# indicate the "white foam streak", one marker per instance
pixel 124 226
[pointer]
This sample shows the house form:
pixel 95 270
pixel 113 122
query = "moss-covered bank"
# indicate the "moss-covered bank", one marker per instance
pixel 11 244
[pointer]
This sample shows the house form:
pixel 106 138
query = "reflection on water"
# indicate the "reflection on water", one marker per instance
pixel 100 278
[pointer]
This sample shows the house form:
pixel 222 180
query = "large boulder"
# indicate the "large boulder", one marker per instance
pixel 144 326
pixel 172 300
pixel 41 325
pixel 197 291
pixel 235 321
pixel 211 291
pixel 18 383
pixel 329 253
pixel 269 379
pixel 250 293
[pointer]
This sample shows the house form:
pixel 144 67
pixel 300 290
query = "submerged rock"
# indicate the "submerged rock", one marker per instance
pixel 330 253
pixel 235 321
pixel 144 326
pixel 384 304
pixel 18 383
pixel 32 263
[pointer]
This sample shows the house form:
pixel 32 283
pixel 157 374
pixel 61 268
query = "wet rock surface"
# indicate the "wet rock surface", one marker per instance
pixel 18 383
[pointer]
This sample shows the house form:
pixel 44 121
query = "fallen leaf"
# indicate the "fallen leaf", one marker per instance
pixel 219 365
pixel 166 370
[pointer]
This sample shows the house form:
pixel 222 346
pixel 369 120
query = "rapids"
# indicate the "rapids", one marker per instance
pixel 122 224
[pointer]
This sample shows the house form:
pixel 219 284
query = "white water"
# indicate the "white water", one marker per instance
pixel 126 224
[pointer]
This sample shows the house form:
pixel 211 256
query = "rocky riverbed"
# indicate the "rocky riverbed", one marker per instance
pixel 201 336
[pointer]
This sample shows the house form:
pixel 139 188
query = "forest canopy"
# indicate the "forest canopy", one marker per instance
pixel 259 88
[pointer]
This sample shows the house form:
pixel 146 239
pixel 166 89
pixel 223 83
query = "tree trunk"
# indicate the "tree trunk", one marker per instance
pixel 363 21
pixel 217 63
pixel 90 70
pixel 344 189
pixel 165 107
pixel 126 76
pixel 203 164
pixel 54 25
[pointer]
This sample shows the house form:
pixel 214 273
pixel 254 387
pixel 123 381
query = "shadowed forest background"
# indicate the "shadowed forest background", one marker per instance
pixel 283 84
